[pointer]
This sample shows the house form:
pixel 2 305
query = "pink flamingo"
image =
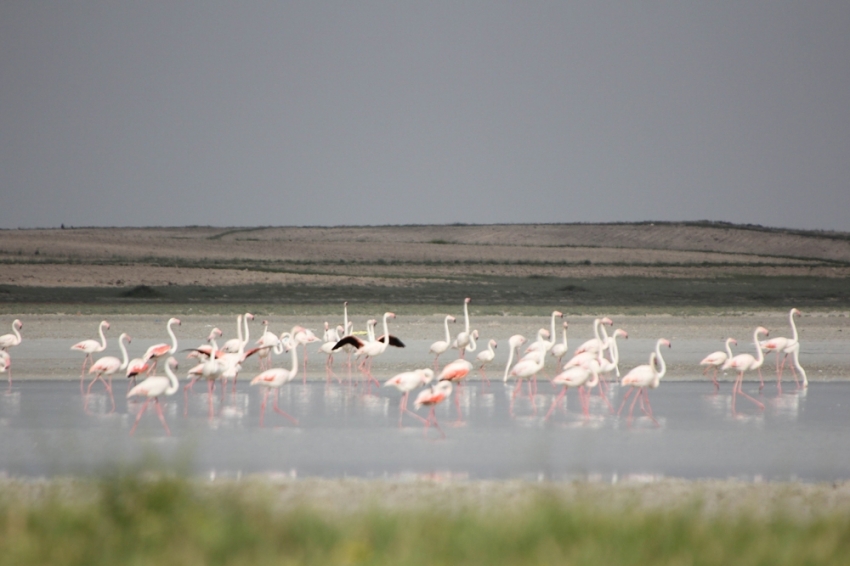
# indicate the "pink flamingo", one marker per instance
pixel 782 345
pixel 455 371
pixel 275 378
pixel 90 347
pixel 747 362
pixel 547 342
pixel 441 346
pixel 233 345
pixel 645 377
pixel 14 339
pixel 9 340
pixel 485 357
pixel 6 364
pixel 108 365
pixel 461 341
pixel 716 360
pixel 407 382
pixel 158 351
pixel 577 376
pixel 152 388
pixel 266 343
pixel 600 342
pixel 372 349
pixel 560 349
pixel 431 398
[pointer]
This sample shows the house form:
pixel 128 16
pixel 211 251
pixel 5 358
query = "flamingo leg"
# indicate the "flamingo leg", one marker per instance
pixel 280 411
pixel 483 374
pixel 632 406
pixel 139 416
pixel 161 416
pixel 647 408
pixel 607 402
pixel 210 390
pixel 555 403
pixel 263 405
pixel 741 391
pixel 625 397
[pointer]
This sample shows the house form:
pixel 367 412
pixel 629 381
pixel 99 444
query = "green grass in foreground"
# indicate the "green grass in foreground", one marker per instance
pixel 125 520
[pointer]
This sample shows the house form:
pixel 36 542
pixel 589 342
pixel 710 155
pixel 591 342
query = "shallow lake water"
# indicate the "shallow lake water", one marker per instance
pixel 48 427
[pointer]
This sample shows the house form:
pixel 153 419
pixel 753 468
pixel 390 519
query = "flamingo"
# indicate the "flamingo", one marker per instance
pixel 431 398
pixel 266 342
pixel 108 365
pixel 242 332
pixel 548 342
pixel 6 342
pixel 441 346
pixel 462 339
pixel 371 349
pixel 158 351
pixel 528 367
pixel 331 337
pixel 275 378
pixel 485 357
pixel 795 359
pixel 152 388
pixel 9 340
pixel 716 360
pixel 600 342
pixel 407 382
pixel 747 362
pixel 211 369
pixel 90 347
pixel 645 377
pixel 577 376
pixel 560 349
pixel 6 364
pixel 539 345
pixel 455 370
pixel 514 342
pixel 303 336
pixel 783 345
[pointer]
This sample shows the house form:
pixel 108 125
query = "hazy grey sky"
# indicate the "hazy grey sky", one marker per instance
pixel 202 112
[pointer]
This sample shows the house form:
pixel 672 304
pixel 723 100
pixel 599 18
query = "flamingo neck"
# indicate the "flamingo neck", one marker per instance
pixel 615 350
pixel 173 338
pixel 793 325
pixel 552 334
pixel 466 317
pixel 728 348
pixel 760 353
pixel 102 338
pixel 596 324
pixel 126 359
pixel 663 366
pixel 510 359
pixel 448 335
pixel 386 331
pixel 278 348
pixel 472 345
pixel 239 327
pixel 604 339
pixel 345 319
pixel 594 380
pixel 17 333
pixel 796 360
pixel 174 385
pixel 294 358
pixel 565 337
pixel 490 347
pixel 247 331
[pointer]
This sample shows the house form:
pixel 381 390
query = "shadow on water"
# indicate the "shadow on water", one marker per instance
pixel 351 429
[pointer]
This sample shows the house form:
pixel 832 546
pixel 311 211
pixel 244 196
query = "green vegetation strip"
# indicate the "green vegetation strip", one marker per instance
pixel 128 520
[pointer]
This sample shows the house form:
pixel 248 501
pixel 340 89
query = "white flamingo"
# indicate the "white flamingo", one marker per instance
pixel 152 388
pixel 90 347
pixel 747 362
pixel 716 360
pixel 275 378
pixel 441 346
pixel 407 382
pixel 645 377
pixel 485 357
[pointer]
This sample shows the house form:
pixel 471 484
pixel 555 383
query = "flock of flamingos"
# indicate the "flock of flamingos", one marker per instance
pixel 592 363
